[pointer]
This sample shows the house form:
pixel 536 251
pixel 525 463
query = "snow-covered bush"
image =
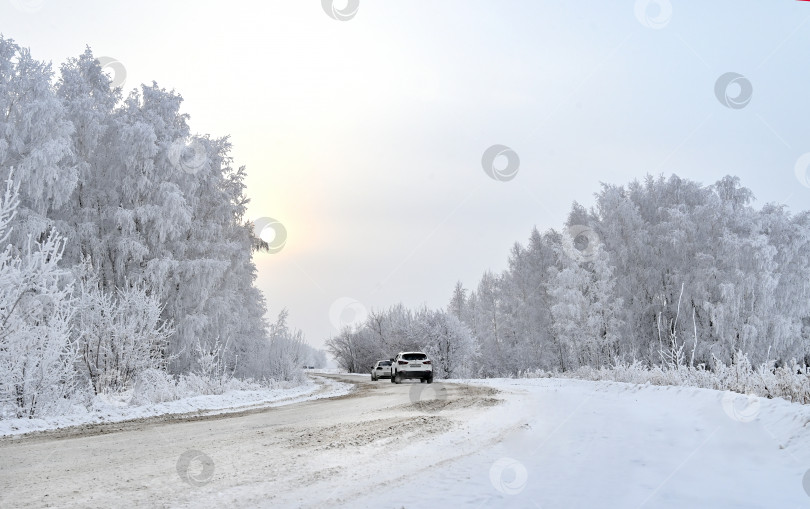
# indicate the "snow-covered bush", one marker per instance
pixel 117 334
pixel 789 381
pixel 154 386
pixel 210 362
pixel 157 386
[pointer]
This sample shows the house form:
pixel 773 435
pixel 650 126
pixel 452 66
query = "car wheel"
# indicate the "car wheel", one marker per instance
pixel 430 379
pixel 421 380
pixel 373 378
pixel 392 378
pixel 397 378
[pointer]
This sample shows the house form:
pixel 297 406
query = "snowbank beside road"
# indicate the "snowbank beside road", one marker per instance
pixel 106 410
pixel 611 444
pixel 786 422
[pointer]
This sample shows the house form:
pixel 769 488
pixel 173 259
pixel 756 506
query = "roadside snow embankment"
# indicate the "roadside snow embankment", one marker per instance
pixel 613 444
pixel 111 410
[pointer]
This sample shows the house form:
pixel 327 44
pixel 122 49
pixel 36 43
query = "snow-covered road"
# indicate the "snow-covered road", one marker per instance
pixel 498 443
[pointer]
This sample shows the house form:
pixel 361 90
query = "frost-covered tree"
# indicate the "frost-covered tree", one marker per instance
pixel 585 313
pixel 344 349
pixel 457 301
pixel 488 325
pixel 737 266
pixel 526 304
pixel 163 210
pixel 151 228
pixel 34 141
pixel 447 341
pixel 442 335
pixel 286 354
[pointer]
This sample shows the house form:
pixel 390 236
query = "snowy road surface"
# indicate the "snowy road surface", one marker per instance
pixel 546 443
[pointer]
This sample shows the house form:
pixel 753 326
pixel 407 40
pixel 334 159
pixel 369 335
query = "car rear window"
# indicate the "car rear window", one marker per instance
pixel 385 363
pixel 414 356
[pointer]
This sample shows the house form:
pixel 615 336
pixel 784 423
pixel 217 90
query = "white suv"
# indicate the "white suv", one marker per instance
pixel 382 369
pixel 411 365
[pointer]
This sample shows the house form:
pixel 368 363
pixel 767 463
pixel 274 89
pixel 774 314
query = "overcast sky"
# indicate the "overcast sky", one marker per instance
pixel 364 136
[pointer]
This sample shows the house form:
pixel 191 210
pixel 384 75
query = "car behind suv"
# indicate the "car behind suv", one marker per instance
pixel 411 365
pixel 382 369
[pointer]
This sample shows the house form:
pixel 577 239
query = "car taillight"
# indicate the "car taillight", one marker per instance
pixel 402 362
pixel 425 362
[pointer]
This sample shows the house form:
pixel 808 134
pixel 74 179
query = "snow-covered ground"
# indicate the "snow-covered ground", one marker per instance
pixel 607 444
pixel 108 410
pixel 547 443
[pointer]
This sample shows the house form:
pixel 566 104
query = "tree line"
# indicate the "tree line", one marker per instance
pixel 664 271
pixel 126 243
